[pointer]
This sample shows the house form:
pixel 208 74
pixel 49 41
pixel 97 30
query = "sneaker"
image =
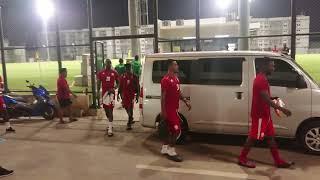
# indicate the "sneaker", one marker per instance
pixel 247 164
pixel 109 131
pixel 164 150
pixel 173 156
pixel 5 172
pixel 129 127
pixel 285 164
pixel 10 130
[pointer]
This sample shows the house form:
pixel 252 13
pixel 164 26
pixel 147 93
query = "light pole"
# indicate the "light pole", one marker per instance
pixel 45 9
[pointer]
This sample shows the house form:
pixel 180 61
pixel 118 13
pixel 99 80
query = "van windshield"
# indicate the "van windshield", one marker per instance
pixel 305 72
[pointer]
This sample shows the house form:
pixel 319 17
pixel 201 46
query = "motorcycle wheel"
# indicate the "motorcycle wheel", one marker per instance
pixel 49 113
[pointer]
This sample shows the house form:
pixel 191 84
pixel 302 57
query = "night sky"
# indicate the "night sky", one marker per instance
pixel 21 22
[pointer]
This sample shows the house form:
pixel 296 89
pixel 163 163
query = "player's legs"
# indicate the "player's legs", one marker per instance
pixel 174 129
pixel 274 148
pixel 129 111
pixel 5 116
pixel 109 114
pixel 252 138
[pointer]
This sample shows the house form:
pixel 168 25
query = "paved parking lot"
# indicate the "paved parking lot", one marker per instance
pixel 44 150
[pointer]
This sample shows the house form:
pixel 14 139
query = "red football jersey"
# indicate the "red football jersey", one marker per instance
pixel 108 79
pixel 63 88
pixel 128 84
pixel 171 85
pixel 260 108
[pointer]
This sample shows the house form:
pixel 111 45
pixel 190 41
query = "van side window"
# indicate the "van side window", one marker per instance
pixel 284 74
pixel 220 71
pixel 160 69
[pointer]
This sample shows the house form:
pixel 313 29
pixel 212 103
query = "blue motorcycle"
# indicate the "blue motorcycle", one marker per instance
pixel 42 106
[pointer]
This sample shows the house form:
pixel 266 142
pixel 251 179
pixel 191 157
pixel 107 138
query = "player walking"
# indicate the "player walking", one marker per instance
pixel 109 79
pixel 262 125
pixel 129 90
pixel 170 96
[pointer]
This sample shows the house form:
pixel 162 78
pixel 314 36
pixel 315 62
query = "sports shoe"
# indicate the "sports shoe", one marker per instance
pixel 109 131
pixel 164 149
pixel 10 130
pixel 247 164
pixel 5 172
pixel 173 156
pixel 285 164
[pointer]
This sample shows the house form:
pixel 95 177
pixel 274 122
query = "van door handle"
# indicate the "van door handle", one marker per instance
pixel 239 95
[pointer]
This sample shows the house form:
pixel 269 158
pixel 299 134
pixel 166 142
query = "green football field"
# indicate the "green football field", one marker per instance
pixel 46 73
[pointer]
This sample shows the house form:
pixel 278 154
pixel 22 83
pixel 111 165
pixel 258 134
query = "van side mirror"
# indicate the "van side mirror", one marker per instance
pixel 301 82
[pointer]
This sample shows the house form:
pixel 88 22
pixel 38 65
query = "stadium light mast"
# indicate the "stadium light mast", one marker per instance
pixel 45 9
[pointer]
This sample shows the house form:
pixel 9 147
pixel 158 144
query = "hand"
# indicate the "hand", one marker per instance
pixel 118 97
pixel 188 105
pixel 286 112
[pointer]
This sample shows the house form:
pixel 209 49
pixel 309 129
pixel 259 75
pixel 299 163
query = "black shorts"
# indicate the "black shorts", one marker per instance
pixel 65 102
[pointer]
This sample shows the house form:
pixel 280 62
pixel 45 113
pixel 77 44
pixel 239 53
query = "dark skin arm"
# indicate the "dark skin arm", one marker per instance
pixel 163 97
pixel 268 99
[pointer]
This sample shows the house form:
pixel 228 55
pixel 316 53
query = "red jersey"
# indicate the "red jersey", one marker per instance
pixel 260 108
pixel 171 85
pixel 108 79
pixel 128 85
pixel 63 88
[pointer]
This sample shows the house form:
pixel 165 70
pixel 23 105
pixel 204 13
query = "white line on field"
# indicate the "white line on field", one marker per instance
pixel 194 171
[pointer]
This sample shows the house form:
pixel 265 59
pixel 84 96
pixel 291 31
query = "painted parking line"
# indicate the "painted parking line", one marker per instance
pixel 194 171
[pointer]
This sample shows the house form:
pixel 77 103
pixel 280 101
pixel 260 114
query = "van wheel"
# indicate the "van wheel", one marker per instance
pixel 309 137
pixel 163 131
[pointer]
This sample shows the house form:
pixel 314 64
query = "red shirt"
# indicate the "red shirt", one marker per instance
pixel 260 108
pixel 108 79
pixel 63 88
pixel 128 85
pixel 171 85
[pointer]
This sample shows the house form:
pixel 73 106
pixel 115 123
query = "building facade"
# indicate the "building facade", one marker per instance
pixel 219 30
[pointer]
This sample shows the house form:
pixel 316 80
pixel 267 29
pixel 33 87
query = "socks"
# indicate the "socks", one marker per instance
pixel 275 154
pixel 8 124
pixel 110 125
pixel 244 153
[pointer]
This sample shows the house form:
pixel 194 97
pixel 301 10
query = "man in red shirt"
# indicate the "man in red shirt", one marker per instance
pixel 170 96
pixel 3 109
pixel 129 89
pixel 109 79
pixel 262 125
pixel 275 49
pixel 64 95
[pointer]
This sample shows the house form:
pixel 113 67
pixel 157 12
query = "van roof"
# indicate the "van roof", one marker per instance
pixel 213 53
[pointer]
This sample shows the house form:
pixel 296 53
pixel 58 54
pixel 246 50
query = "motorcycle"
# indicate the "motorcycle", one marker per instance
pixel 42 106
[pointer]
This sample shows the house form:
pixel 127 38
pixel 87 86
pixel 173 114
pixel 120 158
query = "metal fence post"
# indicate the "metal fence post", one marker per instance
pixel 293 28
pixel 3 60
pixel 59 58
pixel 155 26
pixel 93 78
pixel 198 45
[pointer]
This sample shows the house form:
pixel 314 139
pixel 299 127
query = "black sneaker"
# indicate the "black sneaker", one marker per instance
pixel 129 127
pixel 10 130
pixel 5 172
pixel 175 158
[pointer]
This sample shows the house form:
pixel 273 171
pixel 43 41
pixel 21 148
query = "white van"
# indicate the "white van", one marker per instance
pixel 219 86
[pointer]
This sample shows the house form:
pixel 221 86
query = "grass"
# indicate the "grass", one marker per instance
pixel 311 63
pixel 46 73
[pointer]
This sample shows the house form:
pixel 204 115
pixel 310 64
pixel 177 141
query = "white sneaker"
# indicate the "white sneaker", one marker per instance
pixel 164 149
pixel 172 151
pixel 110 133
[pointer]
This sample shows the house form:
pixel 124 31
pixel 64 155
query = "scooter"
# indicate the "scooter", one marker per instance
pixel 42 106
